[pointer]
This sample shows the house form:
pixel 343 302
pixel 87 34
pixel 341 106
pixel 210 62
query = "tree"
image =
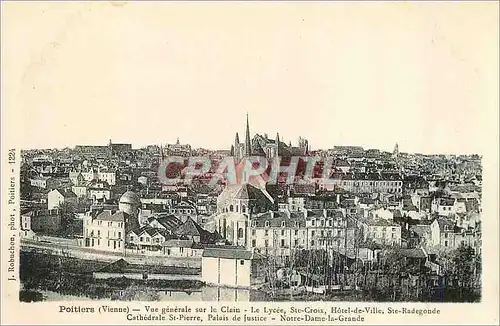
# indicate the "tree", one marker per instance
pixel 460 270
pixel 70 225
pixel 394 265
pixel 464 266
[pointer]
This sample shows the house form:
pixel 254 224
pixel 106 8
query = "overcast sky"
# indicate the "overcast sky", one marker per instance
pixel 371 74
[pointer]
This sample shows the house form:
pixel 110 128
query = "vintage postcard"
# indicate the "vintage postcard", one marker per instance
pixel 249 163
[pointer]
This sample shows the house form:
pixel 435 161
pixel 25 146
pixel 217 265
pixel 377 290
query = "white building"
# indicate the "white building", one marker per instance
pixel 58 196
pixel 107 231
pixel 98 190
pixel 227 267
pixel 381 231
pixel 93 174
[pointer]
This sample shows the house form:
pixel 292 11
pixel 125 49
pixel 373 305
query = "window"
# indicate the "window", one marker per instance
pixel 141 239
pixel 296 232
pixel 253 243
pixel 181 250
pixel 312 233
pixel 296 242
pixel 283 224
pixel 282 232
pixel 242 262
pixel 313 222
pixel 231 208
pixel 282 242
pixel 267 243
pixel 253 232
pixel 240 233
pixel 267 233
pixel 446 243
pixel 119 235
pixel 322 233
pixel 254 223
pixel 267 224
pixel 312 242
pixel 98 233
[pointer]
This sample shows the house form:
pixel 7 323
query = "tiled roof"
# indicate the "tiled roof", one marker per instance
pixel 169 221
pixel 119 216
pixel 227 253
pixel 380 222
pixel 190 228
pixel 276 219
pixel 178 243
pixel 413 253
pixel 244 191
pixel 149 231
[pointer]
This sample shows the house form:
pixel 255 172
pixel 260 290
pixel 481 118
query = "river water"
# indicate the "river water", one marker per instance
pixel 206 293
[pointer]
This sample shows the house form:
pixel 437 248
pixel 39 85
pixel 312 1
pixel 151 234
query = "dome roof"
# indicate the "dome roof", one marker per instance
pixel 130 197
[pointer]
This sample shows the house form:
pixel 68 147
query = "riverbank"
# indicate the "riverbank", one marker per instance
pixel 70 248
pixel 73 277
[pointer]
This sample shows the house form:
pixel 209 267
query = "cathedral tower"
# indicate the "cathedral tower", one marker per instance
pixel 248 145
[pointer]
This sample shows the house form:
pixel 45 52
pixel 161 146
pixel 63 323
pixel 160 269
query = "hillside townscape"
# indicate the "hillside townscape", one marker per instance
pixel 371 225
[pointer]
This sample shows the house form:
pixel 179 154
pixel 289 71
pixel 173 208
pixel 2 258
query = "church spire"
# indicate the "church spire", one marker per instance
pixel 248 146
pixel 236 147
pixel 277 143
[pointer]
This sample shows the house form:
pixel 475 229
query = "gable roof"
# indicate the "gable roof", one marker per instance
pixel 169 221
pixel 152 232
pixel 190 228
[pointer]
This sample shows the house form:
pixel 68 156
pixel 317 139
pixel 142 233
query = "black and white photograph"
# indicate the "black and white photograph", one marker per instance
pixel 246 153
